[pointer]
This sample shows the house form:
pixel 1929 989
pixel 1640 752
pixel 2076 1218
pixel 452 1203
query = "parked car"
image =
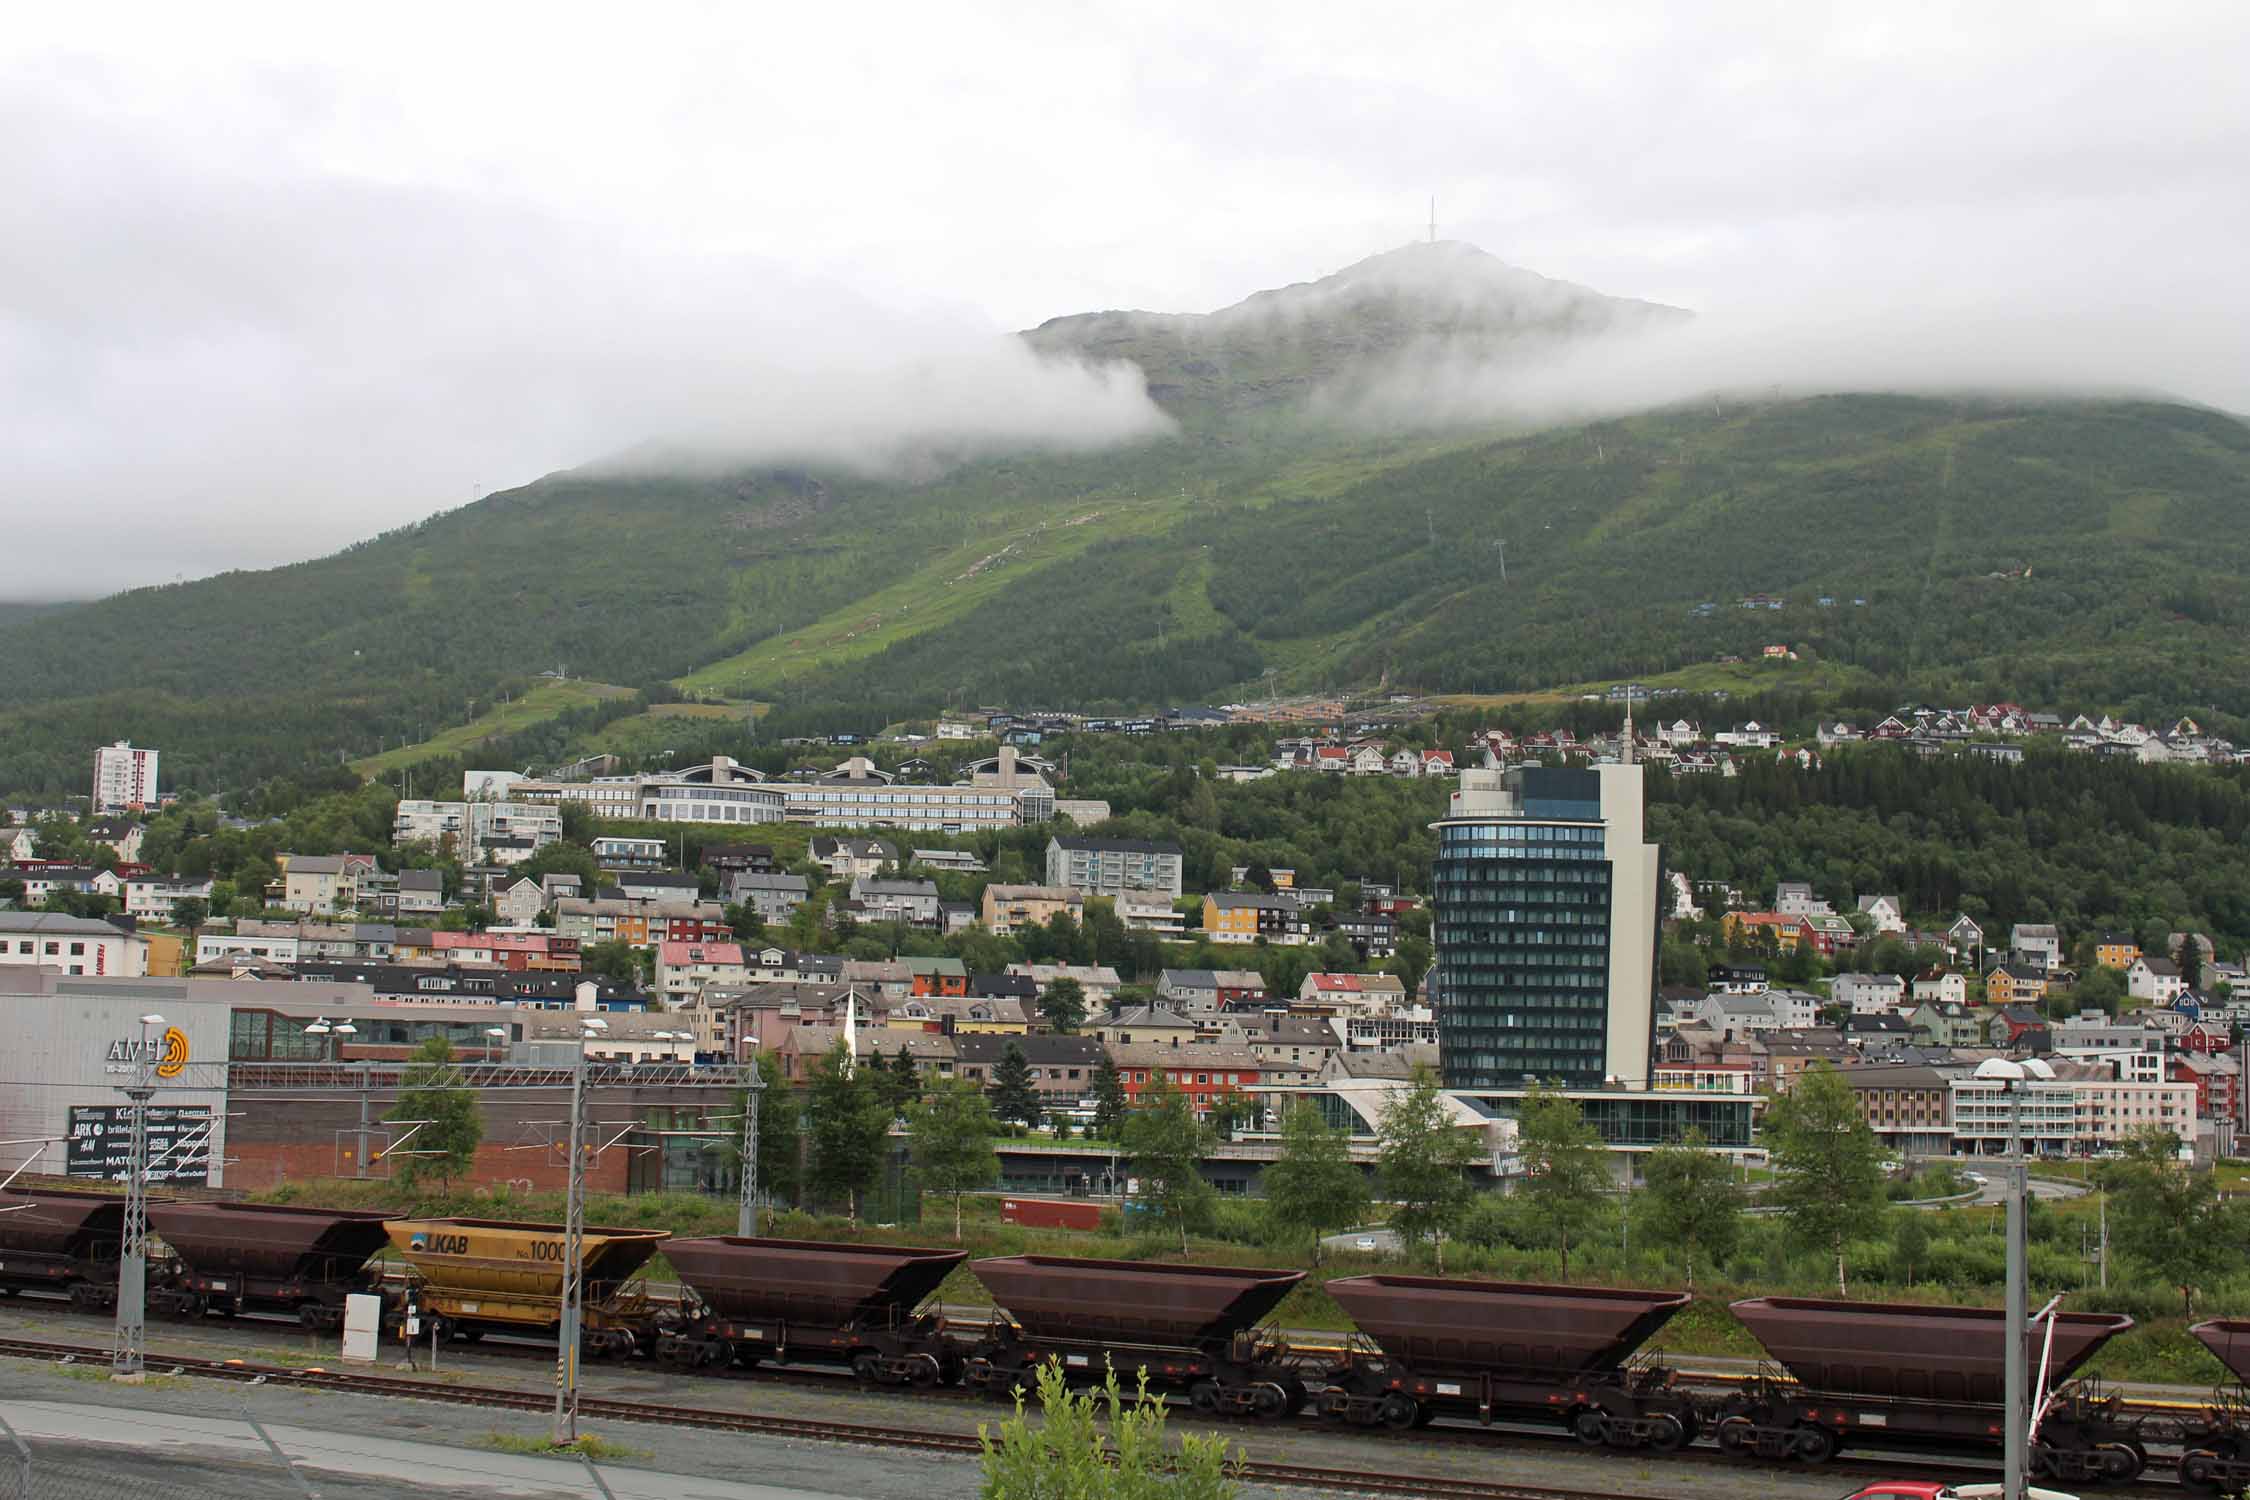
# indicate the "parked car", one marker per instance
pixel 1364 1242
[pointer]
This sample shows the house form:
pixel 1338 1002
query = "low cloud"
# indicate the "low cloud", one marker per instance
pixel 206 370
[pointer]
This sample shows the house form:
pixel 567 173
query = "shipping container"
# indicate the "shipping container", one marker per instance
pixel 1051 1213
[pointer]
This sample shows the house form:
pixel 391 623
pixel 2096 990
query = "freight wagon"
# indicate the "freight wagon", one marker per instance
pixel 1186 1328
pixel 54 1241
pixel 1884 1374
pixel 1504 1349
pixel 854 1305
pixel 480 1276
pixel 1051 1213
pixel 236 1257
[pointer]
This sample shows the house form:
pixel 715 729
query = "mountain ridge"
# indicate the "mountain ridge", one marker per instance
pixel 1260 537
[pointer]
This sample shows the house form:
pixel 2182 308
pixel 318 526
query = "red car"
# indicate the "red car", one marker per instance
pixel 1925 1489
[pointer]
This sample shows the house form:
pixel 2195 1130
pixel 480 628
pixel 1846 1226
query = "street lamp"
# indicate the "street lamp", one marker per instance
pixel 574 1235
pixel 132 1261
pixel 2015 1079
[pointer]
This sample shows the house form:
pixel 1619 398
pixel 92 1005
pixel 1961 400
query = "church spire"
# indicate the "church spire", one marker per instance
pixel 1625 745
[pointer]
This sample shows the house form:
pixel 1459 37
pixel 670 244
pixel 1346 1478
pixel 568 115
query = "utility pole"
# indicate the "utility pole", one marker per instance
pixel 126 1345
pixel 574 1236
pixel 746 1214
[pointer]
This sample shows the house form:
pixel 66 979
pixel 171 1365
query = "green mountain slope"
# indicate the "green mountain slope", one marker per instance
pixel 1257 540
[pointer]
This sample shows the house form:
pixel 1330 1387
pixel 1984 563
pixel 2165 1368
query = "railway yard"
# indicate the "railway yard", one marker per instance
pixel 1480 1389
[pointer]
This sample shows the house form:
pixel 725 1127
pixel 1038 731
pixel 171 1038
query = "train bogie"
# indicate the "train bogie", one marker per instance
pixel 854 1305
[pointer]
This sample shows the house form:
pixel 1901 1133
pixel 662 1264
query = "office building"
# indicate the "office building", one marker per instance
pixel 1544 897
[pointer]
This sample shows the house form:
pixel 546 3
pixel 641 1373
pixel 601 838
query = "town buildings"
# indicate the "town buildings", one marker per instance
pixel 1108 867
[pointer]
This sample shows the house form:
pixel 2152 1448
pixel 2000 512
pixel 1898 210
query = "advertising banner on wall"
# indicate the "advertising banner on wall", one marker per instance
pixel 101 1143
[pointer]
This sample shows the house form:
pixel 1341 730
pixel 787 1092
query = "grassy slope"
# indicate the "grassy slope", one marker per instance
pixel 536 706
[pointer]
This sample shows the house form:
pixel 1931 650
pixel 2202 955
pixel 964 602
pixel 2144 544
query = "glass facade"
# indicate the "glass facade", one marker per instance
pixel 1522 917
pixel 1643 1121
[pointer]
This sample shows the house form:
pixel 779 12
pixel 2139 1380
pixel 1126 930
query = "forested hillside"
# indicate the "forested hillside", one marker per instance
pixel 2082 555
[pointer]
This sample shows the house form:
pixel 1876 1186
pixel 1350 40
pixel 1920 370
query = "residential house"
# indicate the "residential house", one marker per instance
pixel 770 896
pixel 738 859
pixel 2154 979
pixel 1146 910
pixel 849 858
pixel 1009 907
pixel 612 852
pixel 936 976
pixel 1869 994
pixel 1737 1016
pixel 1966 938
pixel 2037 943
pixel 914 902
pixel 2116 950
pixel 1106 867
pixel 2015 984
pixel 952 1014
pixel 1099 982
pixel 1062 1067
pixel 1737 979
pixel 1788 1056
pixel 1291 1049
pixel 1328 993
pixel 1793 1010
pixel 421 892
pixel 1884 913
pixel 1945 1023
pixel 1795 898
pixel 1203 991
pixel 959 861
pixel 1829 934
pixel 659 885
pixel 683 969
pixel 2217 1079
pixel 1373 935
pixel 1744 926
pixel 1942 985
pixel 2013 1024
pixel 1150 1025
pixel 519 903
pixel 1247 916
pixel 322 884
pixel 152 898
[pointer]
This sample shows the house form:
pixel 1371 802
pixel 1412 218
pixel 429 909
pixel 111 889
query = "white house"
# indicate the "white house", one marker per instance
pixel 1870 994
pixel 150 897
pixel 1941 985
pixel 2039 942
pixel 2154 979
pixel 1886 913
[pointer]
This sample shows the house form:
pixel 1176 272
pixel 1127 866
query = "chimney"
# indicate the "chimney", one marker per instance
pixel 587 990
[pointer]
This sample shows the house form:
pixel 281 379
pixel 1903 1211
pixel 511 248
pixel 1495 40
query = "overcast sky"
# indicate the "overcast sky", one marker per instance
pixel 280 277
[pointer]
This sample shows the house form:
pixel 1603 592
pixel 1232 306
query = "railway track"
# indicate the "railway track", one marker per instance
pixel 604 1409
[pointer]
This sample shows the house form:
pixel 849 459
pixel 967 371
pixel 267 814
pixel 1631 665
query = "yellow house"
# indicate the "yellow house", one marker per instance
pixel 2115 950
pixel 167 952
pixel 1788 931
pixel 994 1015
pixel 2006 985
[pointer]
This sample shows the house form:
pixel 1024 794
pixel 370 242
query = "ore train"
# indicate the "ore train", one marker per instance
pixel 1846 1374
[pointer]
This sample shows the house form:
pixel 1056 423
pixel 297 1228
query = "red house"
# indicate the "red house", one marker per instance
pixel 1201 1070
pixel 2218 1086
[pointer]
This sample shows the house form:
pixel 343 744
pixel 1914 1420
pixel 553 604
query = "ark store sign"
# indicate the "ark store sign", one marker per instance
pixel 101 1143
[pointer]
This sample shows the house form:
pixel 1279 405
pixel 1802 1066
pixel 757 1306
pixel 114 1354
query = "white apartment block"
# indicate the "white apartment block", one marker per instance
pixel 470 824
pixel 75 945
pixel 1107 867
pixel 150 898
pixel 124 779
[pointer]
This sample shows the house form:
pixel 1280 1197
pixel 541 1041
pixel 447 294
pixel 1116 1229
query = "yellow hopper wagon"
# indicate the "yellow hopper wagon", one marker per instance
pixel 479 1276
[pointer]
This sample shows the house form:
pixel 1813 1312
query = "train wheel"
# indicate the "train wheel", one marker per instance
pixel 1269 1402
pixel 469 1335
pixel 2199 1470
pixel 309 1314
pixel 2119 1463
pixel 1814 1444
pixel 1588 1427
pixel 1666 1434
pixel 868 1368
pixel 1298 1396
pixel 1398 1412
pixel 1737 1434
pixel 1204 1397
pixel 925 1372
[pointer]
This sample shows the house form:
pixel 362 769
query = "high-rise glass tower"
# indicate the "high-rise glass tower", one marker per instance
pixel 1545 924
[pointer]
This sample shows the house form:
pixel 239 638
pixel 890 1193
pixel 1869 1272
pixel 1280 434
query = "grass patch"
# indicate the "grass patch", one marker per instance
pixel 591 1445
pixel 537 706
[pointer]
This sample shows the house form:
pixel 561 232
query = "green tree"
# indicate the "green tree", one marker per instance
pixel 1566 1168
pixel 1692 1203
pixel 1314 1186
pixel 2189 956
pixel 1411 961
pixel 1827 1163
pixel 1910 1242
pixel 616 960
pixel 949 1133
pixel 446 1128
pixel 1096 1444
pixel 781 1134
pixel 2168 1217
pixel 1064 1005
pixel 850 1127
pixel 906 1079
pixel 1164 1145
pixel 1013 1097
pixel 189 913
pixel 564 858
pixel 1109 1099
pixel 1422 1161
